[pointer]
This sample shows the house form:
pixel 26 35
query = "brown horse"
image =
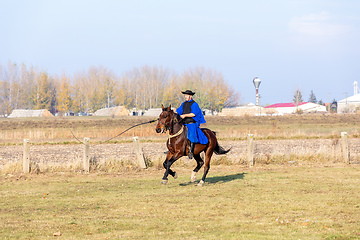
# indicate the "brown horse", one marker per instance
pixel 178 145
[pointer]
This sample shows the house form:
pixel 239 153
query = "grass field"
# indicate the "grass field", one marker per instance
pixel 312 200
pixel 266 202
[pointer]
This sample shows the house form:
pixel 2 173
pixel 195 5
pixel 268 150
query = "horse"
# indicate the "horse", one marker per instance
pixel 178 145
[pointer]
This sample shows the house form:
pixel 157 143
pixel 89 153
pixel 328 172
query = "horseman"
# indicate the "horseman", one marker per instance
pixel 192 117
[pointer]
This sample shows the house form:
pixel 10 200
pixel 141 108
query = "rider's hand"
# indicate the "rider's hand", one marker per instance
pixel 187 115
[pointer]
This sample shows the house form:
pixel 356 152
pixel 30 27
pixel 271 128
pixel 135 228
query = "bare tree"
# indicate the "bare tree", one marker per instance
pixel 297 97
pixel 212 91
pixel 98 87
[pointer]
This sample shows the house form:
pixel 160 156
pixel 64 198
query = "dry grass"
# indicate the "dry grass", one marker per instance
pixel 307 202
pixel 119 163
pixel 285 196
pixel 235 128
pixel 108 166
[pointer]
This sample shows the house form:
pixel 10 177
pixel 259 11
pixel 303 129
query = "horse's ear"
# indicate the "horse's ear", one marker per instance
pixel 162 107
pixel 169 108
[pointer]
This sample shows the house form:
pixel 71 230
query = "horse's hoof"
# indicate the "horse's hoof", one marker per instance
pixel 164 181
pixel 176 175
pixel 201 183
pixel 193 177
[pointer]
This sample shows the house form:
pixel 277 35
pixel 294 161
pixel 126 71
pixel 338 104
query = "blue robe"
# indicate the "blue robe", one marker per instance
pixel 194 133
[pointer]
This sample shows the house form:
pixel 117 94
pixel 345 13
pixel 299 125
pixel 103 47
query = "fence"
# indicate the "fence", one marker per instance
pixel 245 152
pixel 86 158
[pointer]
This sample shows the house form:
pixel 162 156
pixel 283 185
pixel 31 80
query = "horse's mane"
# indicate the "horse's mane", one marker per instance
pixel 177 117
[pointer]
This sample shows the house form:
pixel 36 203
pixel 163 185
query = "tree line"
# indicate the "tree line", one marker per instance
pixel 312 98
pixel 23 87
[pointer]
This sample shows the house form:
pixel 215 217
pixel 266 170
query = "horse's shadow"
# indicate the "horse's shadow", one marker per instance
pixel 219 179
pixel 224 179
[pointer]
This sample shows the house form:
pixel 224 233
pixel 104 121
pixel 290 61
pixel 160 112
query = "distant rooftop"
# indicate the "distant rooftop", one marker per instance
pixel 284 105
pixel 30 113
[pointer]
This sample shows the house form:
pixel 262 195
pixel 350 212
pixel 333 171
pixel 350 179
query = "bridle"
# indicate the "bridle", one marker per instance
pixel 170 123
pixel 165 124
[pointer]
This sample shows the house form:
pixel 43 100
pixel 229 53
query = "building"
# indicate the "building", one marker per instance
pixel 349 105
pixel 289 108
pixel 249 109
pixel 113 111
pixel 17 113
pixel 153 112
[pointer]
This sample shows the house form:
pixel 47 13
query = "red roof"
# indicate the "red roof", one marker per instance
pixel 283 105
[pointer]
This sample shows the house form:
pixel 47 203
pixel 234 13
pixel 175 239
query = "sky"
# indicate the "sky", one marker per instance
pixel 310 45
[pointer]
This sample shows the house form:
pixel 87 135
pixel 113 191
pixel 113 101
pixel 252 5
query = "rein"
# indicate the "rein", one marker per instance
pixel 176 134
pixel 171 123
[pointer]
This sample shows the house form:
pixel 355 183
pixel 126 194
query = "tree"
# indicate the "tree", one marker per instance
pixel 5 107
pixel 27 78
pixel 126 96
pixel 172 94
pixel 218 92
pixel 212 91
pixel 64 95
pixel 234 98
pixel 14 85
pixel 142 88
pixel 43 94
pixel 107 87
pixel 297 97
pixel 312 97
pixel 93 89
pixel 79 88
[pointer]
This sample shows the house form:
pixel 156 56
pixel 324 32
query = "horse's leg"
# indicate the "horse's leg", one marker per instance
pixel 200 163
pixel 208 155
pixel 167 164
pixel 170 159
pixel 171 172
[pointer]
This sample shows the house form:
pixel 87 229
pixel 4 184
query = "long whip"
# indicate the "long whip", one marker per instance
pixel 119 133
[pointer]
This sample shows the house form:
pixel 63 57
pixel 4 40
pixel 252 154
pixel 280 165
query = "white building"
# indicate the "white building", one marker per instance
pixel 349 105
pixel 289 108
pixel 249 109
pixel 113 111
pixel 19 113
pixel 153 112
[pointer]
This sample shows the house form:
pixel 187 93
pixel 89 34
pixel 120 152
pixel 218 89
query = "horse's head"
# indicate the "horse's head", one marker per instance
pixel 164 120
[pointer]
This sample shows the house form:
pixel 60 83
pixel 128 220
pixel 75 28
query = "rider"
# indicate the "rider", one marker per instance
pixel 192 117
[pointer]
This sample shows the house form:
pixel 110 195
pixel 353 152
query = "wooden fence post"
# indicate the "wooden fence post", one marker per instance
pixel 139 153
pixel 26 156
pixel 86 159
pixel 345 147
pixel 250 149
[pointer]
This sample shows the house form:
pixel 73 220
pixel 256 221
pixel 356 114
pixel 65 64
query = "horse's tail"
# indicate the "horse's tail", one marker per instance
pixel 220 150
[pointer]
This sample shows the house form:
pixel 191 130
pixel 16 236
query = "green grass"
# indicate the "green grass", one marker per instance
pixel 273 202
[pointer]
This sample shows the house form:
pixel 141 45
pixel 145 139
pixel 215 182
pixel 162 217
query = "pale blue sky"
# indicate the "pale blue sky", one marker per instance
pixel 288 44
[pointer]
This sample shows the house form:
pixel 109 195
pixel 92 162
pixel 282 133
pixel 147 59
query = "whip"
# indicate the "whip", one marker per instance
pixel 119 133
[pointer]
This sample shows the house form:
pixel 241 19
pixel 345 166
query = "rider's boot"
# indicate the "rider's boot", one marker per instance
pixel 191 151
